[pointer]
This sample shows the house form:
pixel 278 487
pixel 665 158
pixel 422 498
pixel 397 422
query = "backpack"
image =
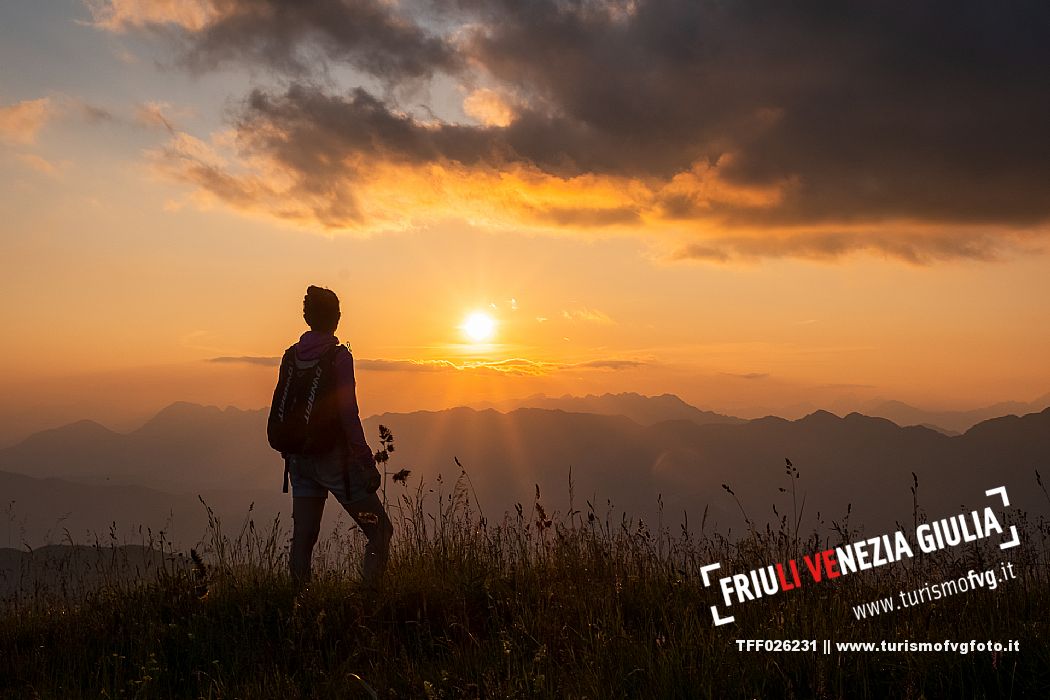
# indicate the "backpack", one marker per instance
pixel 304 413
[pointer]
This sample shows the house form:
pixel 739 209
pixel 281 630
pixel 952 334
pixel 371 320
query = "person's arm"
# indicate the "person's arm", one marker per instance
pixel 349 412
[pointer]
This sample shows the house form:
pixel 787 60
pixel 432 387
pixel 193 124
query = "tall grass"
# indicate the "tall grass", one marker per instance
pixel 584 604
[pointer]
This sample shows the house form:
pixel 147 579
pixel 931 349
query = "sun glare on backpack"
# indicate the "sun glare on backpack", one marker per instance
pixel 479 327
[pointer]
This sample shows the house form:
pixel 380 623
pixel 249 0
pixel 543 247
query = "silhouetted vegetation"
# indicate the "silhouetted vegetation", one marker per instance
pixel 582 604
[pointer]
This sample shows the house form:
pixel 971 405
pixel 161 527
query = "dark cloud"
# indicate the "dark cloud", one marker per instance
pixel 293 36
pixel 929 110
pixel 93 114
pixel 916 249
pixel 313 132
pixel 850 114
pixel 320 139
pixel 247 360
pixel 747 375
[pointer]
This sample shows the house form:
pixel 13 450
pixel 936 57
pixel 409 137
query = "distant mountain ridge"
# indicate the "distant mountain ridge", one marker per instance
pixel 953 421
pixel 648 410
pixel 855 460
pixel 179 448
pixel 645 410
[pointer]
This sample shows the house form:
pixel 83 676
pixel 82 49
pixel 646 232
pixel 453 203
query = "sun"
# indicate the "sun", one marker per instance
pixel 479 327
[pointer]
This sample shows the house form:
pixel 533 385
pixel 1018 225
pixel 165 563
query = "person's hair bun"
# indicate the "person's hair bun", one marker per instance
pixel 321 308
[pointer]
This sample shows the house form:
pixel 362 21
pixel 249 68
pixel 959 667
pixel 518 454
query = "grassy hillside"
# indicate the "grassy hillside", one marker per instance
pixel 582 604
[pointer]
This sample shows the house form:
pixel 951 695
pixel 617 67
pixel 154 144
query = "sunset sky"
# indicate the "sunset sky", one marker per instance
pixel 763 207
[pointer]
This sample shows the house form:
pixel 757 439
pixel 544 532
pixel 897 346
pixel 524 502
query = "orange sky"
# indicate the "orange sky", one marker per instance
pixel 147 232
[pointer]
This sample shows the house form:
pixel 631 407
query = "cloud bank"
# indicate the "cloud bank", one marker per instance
pixel 751 130
pixel 511 366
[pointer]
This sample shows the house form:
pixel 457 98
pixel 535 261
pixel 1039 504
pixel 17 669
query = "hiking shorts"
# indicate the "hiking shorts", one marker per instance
pixel 321 474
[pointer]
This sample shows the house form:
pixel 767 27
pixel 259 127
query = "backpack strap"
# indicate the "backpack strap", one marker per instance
pixel 287 364
pixel 284 373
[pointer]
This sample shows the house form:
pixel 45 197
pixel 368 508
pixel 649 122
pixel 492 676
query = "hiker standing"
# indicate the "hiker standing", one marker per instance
pixel 315 423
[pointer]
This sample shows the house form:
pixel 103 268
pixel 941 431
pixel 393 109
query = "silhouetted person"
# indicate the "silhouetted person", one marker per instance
pixel 315 423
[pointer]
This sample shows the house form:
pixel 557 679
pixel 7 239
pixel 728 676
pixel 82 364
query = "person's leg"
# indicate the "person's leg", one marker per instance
pixel 370 516
pixel 306 526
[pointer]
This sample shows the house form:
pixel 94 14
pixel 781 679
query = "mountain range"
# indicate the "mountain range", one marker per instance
pixel 653 409
pixel 83 477
pixel 645 410
pixel 952 422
